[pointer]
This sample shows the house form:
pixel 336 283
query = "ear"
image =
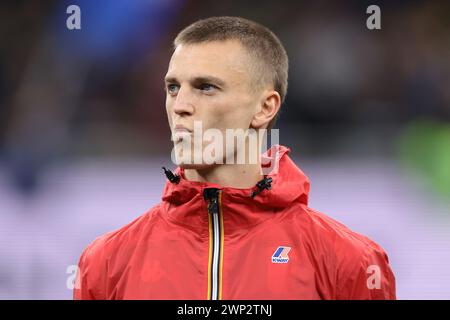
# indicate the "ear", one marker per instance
pixel 268 109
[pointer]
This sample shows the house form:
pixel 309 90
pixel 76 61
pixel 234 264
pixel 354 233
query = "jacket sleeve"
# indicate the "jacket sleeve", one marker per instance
pixel 366 275
pixel 91 274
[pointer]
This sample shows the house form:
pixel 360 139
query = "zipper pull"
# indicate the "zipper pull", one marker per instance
pixel 212 194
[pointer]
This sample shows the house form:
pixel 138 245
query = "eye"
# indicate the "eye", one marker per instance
pixel 207 87
pixel 172 88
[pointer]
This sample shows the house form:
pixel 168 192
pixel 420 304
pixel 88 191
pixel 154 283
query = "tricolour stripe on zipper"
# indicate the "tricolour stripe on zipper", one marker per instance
pixel 208 296
pixel 222 238
pixel 215 260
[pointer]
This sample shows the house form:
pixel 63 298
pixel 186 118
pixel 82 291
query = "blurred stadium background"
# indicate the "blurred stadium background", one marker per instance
pixel 83 132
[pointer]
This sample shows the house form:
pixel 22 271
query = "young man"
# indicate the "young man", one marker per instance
pixel 231 230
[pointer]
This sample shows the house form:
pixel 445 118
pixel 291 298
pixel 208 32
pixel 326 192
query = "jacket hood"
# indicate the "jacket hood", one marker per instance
pixel 288 184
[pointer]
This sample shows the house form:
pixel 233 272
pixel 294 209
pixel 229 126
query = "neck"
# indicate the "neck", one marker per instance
pixel 241 176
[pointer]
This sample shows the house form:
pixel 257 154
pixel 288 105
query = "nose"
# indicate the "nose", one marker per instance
pixel 183 105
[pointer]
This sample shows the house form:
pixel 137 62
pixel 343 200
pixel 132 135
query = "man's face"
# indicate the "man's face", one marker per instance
pixel 210 82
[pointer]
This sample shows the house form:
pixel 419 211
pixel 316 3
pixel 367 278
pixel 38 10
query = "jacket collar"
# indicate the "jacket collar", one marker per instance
pixel 289 184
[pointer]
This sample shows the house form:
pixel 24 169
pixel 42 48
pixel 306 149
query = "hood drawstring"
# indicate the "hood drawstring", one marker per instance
pixel 265 183
pixel 174 178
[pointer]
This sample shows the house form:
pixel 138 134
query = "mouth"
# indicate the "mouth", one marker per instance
pixel 180 128
pixel 179 133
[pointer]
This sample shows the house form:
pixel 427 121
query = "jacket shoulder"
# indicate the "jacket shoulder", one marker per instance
pixel 340 233
pixel 113 240
pixel 362 267
pixel 93 263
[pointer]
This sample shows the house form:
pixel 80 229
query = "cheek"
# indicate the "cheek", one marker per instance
pixel 223 116
pixel 236 114
pixel 169 111
pixel 168 103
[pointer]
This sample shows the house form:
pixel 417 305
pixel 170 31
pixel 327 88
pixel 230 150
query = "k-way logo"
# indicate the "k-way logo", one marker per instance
pixel 281 255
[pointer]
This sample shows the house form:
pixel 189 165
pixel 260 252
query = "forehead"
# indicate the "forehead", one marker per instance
pixel 227 60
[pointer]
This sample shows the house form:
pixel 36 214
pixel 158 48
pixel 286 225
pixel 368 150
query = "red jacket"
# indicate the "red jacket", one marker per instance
pixel 204 241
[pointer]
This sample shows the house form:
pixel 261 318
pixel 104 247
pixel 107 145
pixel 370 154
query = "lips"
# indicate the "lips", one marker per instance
pixel 179 132
pixel 180 128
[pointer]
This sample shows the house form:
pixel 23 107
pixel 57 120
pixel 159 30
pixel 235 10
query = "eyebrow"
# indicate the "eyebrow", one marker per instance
pixel 197 79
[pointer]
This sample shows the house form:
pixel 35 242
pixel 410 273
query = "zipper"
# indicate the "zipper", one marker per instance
pixel 215 261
